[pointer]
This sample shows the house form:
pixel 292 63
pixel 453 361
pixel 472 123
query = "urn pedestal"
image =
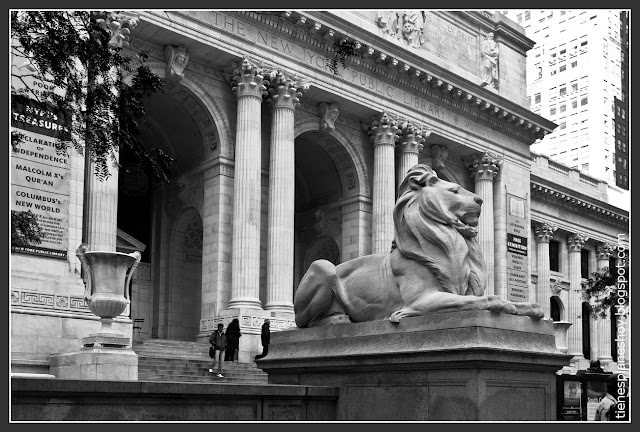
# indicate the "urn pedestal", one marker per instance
pixel 107 354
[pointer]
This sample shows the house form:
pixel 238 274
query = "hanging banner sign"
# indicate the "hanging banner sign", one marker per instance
pixel 39 174
pixel 517 249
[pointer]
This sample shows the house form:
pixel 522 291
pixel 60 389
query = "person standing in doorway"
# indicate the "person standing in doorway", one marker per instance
pixel 265 336
pixel 219 341
pixel 233 340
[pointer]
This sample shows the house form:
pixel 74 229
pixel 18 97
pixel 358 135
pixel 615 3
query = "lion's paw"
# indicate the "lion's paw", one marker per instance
pixel 495 304
pixel 398 315
pixel 509 308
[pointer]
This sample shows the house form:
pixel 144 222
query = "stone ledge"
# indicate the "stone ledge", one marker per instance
pixel 161 389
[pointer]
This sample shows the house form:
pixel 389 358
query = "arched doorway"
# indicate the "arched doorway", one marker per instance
pixel 321 164
pixel 166 216
pixel 555 308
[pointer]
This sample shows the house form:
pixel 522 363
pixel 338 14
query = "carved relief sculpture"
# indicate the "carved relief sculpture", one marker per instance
pixel 436 266
pixel 328 116
pixel 176 59
pixel 412 25
pixel 489 55
pixel 439 154
pixel 389 22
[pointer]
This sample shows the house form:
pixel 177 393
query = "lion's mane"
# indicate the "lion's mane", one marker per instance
pixel 428 232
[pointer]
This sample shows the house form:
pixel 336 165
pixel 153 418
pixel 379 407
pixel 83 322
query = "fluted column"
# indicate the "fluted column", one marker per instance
pixel 100 209
pixel 285 96
pixel 100 213
pixel 544 233
pixel 575 242
pixel 248 85
pixel 483 169
pixel 384 134
pixel 411 142
pixel 603 325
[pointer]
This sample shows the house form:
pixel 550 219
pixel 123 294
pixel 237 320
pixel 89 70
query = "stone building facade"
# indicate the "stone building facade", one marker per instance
pixel 281 160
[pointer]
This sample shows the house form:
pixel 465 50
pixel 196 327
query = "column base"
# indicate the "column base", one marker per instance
pixel 245 303
pixel 279 307
pixel 578 362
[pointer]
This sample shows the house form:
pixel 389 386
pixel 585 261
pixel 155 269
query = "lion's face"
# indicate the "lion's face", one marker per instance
pixel 458 202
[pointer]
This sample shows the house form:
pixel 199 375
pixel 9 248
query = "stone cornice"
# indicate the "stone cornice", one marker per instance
pixel 430 75
pixel 412 70
pixel 578 202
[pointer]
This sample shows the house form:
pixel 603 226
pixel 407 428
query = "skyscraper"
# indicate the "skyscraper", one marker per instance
pixel 574 77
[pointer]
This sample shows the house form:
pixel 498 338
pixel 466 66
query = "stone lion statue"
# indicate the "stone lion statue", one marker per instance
pixel 435 266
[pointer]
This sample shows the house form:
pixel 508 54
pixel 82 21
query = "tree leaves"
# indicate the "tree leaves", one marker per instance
pixel 70 51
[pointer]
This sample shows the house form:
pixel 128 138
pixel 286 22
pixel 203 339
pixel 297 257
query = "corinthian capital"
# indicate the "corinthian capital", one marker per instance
pixel 576 241
pixel 384 130
pixel 604 250
pixel 119 25
pixel 412 140
pixel 247 79
pixel 544 232
pixel 285 92
pixel 485 166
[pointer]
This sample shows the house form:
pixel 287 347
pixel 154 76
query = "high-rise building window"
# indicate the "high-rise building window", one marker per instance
pixel 563 68
pixel 563 91
pixel 584 100
pixel 537 98
pixel 574 64
pixel 563 108
pixel 563 125
pixel 574 104
pixel 527 15
pixel 519 18
pixel 623 113
pixel 552 111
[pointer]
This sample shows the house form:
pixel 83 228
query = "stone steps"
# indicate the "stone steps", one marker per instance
pixel 184 361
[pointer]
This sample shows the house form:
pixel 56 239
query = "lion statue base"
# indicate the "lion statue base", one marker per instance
pixel 436 265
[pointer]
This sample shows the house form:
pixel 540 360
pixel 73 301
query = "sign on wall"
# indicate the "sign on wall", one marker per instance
pixel 39 175
pixel 517 249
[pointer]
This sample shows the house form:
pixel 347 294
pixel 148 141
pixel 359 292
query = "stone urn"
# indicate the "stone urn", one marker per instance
pixel 106 277
pixel 561 328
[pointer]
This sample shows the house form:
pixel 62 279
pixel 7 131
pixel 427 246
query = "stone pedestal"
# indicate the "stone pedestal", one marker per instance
pixel 473 365
pixel 96 363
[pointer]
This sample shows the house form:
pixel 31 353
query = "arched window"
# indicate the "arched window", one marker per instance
pixel 555 309
pixel 586 330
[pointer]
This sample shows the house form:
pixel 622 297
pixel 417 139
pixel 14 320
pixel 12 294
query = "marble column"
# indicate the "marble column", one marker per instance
pixel 603 325
pixel 411 142
pixel 384 134
pixel 285 95
pixel 100 212
pixel 544 232
pixel 483 169
pixel 248 83
pixel 575 242
pixel 100 207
